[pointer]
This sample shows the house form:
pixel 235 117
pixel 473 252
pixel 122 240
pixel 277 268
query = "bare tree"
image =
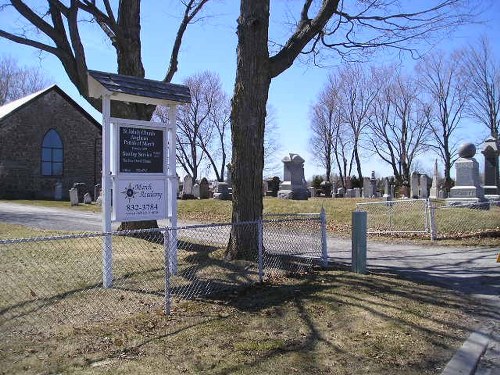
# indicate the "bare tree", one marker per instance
pixel 483 70
pixel 357 95
pixel 202 126
pixel 398 122
pixel 332 137
pixel 55 29
pixel 17 82
pixel 323 125
pixel 344 28
pixel 445 84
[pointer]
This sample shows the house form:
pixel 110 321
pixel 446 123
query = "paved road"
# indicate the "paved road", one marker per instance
pixel 470 270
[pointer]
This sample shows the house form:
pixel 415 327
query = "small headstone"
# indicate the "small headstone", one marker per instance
pixel 81 189
pixel 312 191
pixel 265 188
pixel 423 188
pixel 341 192
pixel 414 179
pixel 196 191
pixel 357 192
pixel 73 196
pixel 87 199
pixel 387 190
pixel 58 187
pixel 222 191
pixel 187 188
pixel 349 193
pixel 373 185
pixel 204 189
pixel 367 188
pixel 97 191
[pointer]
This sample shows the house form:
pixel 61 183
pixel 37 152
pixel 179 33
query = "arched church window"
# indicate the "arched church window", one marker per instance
pixel 52 154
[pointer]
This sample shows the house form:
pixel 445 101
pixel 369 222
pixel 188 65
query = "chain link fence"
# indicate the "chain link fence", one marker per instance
pixel 59 279
pixel 432 218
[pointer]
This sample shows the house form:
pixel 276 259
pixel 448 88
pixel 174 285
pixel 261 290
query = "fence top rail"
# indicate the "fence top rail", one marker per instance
pixel 148 230
pixel 385 203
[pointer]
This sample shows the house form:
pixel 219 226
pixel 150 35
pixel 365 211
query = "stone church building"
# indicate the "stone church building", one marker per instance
pixel 47 143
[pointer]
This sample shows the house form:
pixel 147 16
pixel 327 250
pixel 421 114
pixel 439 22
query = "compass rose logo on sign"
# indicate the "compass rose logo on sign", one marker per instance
pixel 129 192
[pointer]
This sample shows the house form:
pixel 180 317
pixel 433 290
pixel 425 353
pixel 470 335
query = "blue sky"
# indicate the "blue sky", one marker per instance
pixel 210 44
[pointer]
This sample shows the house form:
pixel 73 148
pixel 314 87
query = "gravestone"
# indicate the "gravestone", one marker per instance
pixel 58 187
pixel 87 199
pixel 434 192
pixel 373 185
pixel 423 188
pixel 204 189
pixel 312 191
pixel 273 186
pixel 349 193
pixel 357 192
pixel 387 189
pixel 81 189
pixel 187 188
pixel 97 191
pixel 341 192
pixel 265 188
pixel 414 180
pixel 467 187
pixel 491 171
pixel 73 196
pixel 222 191
pixel 294 184
pixel 196 191
pixel 367 188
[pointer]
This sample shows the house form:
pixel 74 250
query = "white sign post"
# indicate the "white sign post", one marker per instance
pixel 139 182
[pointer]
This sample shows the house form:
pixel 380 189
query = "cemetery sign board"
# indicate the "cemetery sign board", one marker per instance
pixel 141 150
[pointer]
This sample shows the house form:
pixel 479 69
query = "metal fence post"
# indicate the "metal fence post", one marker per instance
pixel 432 219
pixel 166 252
pixel 359 221
pixel 324 245
pixel 260 239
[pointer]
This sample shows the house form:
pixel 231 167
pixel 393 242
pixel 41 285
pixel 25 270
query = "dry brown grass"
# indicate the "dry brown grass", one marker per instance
pixel 327 322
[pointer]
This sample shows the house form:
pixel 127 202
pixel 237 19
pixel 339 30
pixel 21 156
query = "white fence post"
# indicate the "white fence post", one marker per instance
pixel 260 239
pixel 107 248
pixel 432 219
pixel 324 245
pixel 359 221
pixel 167 240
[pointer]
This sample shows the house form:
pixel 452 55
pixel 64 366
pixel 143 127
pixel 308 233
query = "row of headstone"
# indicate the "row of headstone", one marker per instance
pixel 202 190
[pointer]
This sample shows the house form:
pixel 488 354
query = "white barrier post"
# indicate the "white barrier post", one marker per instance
pixel 324 245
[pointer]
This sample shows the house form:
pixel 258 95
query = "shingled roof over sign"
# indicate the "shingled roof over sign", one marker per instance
pixel 136 89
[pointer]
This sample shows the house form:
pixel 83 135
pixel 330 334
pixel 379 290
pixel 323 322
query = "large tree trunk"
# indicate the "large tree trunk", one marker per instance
pixel 248 114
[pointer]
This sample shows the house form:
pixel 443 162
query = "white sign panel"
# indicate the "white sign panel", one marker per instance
pixel 136 200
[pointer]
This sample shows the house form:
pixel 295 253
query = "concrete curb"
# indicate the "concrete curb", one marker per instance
pixel 465 360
